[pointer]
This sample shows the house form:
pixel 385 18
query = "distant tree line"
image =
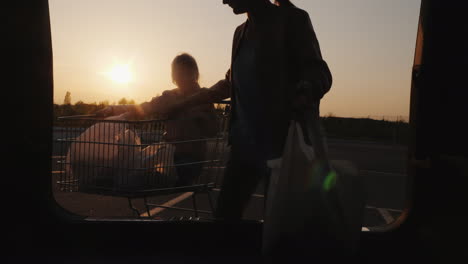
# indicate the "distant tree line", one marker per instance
pixel 395 132
pixel 82 108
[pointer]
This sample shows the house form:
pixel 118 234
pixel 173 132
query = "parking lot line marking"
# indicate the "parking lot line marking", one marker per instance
pixel 169 203
pixel 386 215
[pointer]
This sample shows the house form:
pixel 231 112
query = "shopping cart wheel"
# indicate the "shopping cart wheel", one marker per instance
pixel 195 204
pixel 134 210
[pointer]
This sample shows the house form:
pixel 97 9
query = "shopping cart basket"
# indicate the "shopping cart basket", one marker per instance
pixel 135 159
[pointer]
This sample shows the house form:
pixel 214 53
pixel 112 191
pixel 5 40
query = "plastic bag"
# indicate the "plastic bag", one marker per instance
pixel 110 155
pixel 311 210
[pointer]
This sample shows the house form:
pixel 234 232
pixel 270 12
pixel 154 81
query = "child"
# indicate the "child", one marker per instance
pixel 192 124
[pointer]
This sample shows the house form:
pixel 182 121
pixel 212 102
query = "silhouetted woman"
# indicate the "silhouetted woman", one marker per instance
pixel 277 73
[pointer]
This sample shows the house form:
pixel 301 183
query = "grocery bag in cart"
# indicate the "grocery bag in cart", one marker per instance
pixel 314 207
pixel 110 155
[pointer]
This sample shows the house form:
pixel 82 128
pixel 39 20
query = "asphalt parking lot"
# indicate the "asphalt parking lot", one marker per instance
pixel 383 167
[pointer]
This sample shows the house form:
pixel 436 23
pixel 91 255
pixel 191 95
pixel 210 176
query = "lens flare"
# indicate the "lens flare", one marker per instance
pixel 330 181
pixel 120 73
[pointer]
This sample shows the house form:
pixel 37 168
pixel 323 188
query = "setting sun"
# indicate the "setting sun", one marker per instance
pixel 120 73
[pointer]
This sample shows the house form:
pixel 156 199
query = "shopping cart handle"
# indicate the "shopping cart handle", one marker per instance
pixel 77 116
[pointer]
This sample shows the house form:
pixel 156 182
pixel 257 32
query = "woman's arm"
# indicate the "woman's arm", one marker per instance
pixel 315 76
pixel 220 91
pixel 115 110
pixel 155 105
pixel 168 103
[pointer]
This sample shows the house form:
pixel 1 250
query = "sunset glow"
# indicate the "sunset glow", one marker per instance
pixel 120 73
pixel 106 50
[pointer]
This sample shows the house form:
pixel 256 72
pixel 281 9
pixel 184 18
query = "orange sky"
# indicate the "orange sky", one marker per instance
pixel 368 44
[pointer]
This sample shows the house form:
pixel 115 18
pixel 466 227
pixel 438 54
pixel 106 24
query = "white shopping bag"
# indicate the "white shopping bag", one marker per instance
pixel 100 156
pixel 310 210
pixel 110 155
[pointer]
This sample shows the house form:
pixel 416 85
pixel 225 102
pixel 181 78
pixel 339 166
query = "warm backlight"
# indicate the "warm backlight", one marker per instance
pixel 120 73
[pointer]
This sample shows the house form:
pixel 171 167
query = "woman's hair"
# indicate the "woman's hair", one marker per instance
pixel 284 3
pixel 188 61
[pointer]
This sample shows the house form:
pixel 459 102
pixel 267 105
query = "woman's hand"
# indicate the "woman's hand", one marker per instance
pixel 306 100
pixel 107 111
pixel 123 117
pixel 306 97
pixel 299 102
pixel 135 112
pixel 131 111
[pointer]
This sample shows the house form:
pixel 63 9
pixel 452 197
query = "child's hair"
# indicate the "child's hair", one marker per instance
pixel 187 61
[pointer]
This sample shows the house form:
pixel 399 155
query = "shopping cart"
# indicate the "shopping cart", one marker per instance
pixel 135 159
